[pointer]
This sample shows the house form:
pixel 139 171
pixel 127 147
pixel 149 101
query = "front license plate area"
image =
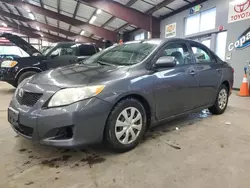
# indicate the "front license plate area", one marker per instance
pixel 13 117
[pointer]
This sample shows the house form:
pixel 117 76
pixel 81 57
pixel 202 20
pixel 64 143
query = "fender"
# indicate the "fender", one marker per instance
pixel 149 99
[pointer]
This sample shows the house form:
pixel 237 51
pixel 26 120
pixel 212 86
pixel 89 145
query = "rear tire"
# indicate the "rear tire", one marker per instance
pixel 126 125
pixel 25 75
pixel 221 101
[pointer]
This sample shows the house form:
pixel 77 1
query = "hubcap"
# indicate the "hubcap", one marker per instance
pixel 222 99
pixel 128 125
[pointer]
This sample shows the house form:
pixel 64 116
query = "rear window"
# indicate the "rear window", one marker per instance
pixel 87 50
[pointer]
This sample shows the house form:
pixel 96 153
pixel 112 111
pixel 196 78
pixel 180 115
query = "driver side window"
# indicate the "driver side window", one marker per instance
pixel 64 50
pixel 179 51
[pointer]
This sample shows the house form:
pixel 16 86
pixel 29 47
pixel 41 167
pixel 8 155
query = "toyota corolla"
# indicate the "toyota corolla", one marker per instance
pixel 117 94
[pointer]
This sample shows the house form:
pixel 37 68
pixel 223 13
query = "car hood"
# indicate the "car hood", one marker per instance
pixel 79 75
pixel 27 47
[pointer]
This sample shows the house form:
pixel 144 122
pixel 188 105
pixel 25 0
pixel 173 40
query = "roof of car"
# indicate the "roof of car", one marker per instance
pixel 76 43
pixel 159 41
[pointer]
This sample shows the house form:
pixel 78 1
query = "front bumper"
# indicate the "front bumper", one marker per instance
pixel 7 74
pixel 78 124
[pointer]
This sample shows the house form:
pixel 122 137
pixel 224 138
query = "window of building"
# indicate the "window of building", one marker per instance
pixel 200 22
pixel 140 36
pixel 86 50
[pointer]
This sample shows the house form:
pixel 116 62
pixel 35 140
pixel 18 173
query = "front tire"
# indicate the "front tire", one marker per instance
pixel 25 75
pixel 126 125
pixel 221 101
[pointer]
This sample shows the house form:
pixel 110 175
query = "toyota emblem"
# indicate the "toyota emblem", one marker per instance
pixel 243 6
pixel 20 93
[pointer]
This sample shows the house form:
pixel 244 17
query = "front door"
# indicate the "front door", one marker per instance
pixel 209 73
pixel 63 54
pixel 175 88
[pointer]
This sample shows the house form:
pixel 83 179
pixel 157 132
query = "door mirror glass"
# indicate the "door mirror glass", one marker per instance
pixel 165 62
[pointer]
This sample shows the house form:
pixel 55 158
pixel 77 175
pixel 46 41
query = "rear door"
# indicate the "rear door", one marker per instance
pixel 62 55
pixel 175 88
pixel 85 51
pixel 209 73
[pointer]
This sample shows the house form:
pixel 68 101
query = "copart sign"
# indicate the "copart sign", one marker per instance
pixel 242 42
pixel 238 10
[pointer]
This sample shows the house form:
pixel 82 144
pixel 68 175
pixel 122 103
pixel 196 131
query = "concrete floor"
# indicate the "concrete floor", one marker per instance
pixel 205 152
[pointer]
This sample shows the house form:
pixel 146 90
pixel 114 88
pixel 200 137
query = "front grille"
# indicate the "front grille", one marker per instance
pixel 28 99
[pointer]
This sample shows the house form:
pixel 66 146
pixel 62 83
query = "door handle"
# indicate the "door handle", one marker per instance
pixel 193 73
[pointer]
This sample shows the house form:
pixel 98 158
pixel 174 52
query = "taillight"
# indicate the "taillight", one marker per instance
pixel 233 69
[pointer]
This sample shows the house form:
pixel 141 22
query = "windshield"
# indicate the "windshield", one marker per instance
pixel 47 49
pixel 126 54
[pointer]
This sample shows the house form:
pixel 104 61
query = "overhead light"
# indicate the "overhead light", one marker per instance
pixel 28 10
pixel 31 15
pixel 99 11
pixel 37 28
pixel 4 24
pixel 82 32
pixel 76 40
pixel 92 19
pixel 41 35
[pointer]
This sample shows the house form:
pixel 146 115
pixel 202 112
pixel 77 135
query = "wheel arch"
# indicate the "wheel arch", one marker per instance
pixel 138 97
pixel 227 84
pixel 23 70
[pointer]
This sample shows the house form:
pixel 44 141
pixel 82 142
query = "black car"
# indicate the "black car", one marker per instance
pixel 59 54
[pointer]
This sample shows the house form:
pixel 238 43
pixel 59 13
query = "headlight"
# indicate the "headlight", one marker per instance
pixel 71 95
pixel 8 64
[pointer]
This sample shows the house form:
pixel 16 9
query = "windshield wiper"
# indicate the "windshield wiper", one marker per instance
pixel 104 63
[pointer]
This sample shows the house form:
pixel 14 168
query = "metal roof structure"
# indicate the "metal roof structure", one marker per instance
pixel 88 20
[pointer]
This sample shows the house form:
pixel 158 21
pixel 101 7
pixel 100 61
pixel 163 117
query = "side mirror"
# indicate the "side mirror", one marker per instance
pixel 165 62
pixel 52 56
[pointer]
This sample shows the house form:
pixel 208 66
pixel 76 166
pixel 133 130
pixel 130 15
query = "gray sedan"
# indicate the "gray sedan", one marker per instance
pixel 118 93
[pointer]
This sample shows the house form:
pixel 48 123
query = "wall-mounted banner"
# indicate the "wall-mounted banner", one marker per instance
pixel 242 42
pixel 170 30
pixel 238 10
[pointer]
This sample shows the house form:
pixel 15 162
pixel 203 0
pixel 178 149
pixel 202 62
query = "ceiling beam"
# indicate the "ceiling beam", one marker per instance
pixel 99 31
pixel 45 26
pixel 123 12
pixel 58 10
pixel 159 6
pixel 75 12
pixel 130 3
pixel 197 2
pixel 122 27
pixel 32 33
pixel 79 38
pixel 42 5
pixel 7 7
pixel 109 21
